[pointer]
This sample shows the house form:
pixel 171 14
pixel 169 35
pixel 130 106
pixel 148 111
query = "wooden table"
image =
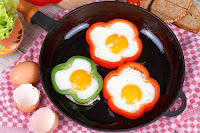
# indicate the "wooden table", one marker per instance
pixel 31 32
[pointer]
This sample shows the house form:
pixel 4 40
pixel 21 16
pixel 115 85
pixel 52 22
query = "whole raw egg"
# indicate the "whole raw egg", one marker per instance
pixel 25 72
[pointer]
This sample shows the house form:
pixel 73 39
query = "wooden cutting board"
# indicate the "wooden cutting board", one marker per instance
pixel 68 4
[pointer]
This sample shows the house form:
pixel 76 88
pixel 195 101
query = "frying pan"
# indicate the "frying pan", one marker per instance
pixel 161 55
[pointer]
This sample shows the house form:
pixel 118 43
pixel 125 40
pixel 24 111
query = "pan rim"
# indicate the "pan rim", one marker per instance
pixel 115 130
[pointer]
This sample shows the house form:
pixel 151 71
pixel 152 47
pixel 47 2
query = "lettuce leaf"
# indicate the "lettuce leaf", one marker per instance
pixel 11 5
pixel 7 17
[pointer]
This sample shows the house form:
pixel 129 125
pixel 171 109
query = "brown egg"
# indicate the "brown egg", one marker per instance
pixel 44 120
pixel 26 97
pixel 25 72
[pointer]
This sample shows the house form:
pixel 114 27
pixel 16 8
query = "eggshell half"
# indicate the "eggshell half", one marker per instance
pixel 26 97
pixel 44 120
pixel 25 72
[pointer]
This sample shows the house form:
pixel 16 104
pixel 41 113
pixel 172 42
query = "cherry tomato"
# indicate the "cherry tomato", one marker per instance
pixel 135 2
pixel 42 2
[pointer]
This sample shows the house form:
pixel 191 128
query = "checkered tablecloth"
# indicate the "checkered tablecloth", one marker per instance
pixel 13 120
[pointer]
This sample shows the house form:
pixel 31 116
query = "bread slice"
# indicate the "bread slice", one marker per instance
pixel 170 10
pixel 145 3
pixel 191 21
pixel 181 3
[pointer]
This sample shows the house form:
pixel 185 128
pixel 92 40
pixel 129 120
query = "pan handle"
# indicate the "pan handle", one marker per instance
pixel 26 10
pixel 33 15
pixel 181 109
pixel 43 21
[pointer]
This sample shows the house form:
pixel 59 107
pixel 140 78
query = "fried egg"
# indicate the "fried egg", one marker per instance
pixel 114 42
pixel 129 90
pixel 77 77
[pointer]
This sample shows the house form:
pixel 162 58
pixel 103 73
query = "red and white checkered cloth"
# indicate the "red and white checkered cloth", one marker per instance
pixel 13 120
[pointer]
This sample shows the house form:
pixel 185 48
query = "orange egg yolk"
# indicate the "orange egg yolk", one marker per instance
pixel 80 79
pixel 119 42
pixel 131 93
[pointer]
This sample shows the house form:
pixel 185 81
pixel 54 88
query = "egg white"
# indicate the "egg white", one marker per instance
pixel 126 77
pixel 62 79
pixel 102 51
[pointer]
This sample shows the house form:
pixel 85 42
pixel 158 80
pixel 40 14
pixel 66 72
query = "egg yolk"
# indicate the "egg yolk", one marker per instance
pixel 119 43
pixel 131 93
pixel 80 79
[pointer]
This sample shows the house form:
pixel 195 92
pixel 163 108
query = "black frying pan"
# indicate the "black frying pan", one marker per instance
pixel 161 55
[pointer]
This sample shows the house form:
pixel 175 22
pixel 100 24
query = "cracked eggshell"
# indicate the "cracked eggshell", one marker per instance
pixel 44 120
pixel 26 97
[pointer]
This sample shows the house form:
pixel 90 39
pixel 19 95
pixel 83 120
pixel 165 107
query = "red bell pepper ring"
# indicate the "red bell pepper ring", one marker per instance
pixel 143 108
pixel 43 2
pixel 105 63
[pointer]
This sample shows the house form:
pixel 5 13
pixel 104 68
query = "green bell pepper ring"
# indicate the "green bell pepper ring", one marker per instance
pixel 94 74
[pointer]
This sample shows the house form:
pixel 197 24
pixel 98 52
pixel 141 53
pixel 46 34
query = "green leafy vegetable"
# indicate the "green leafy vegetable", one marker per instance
pixel 11 5
pixel 7 17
